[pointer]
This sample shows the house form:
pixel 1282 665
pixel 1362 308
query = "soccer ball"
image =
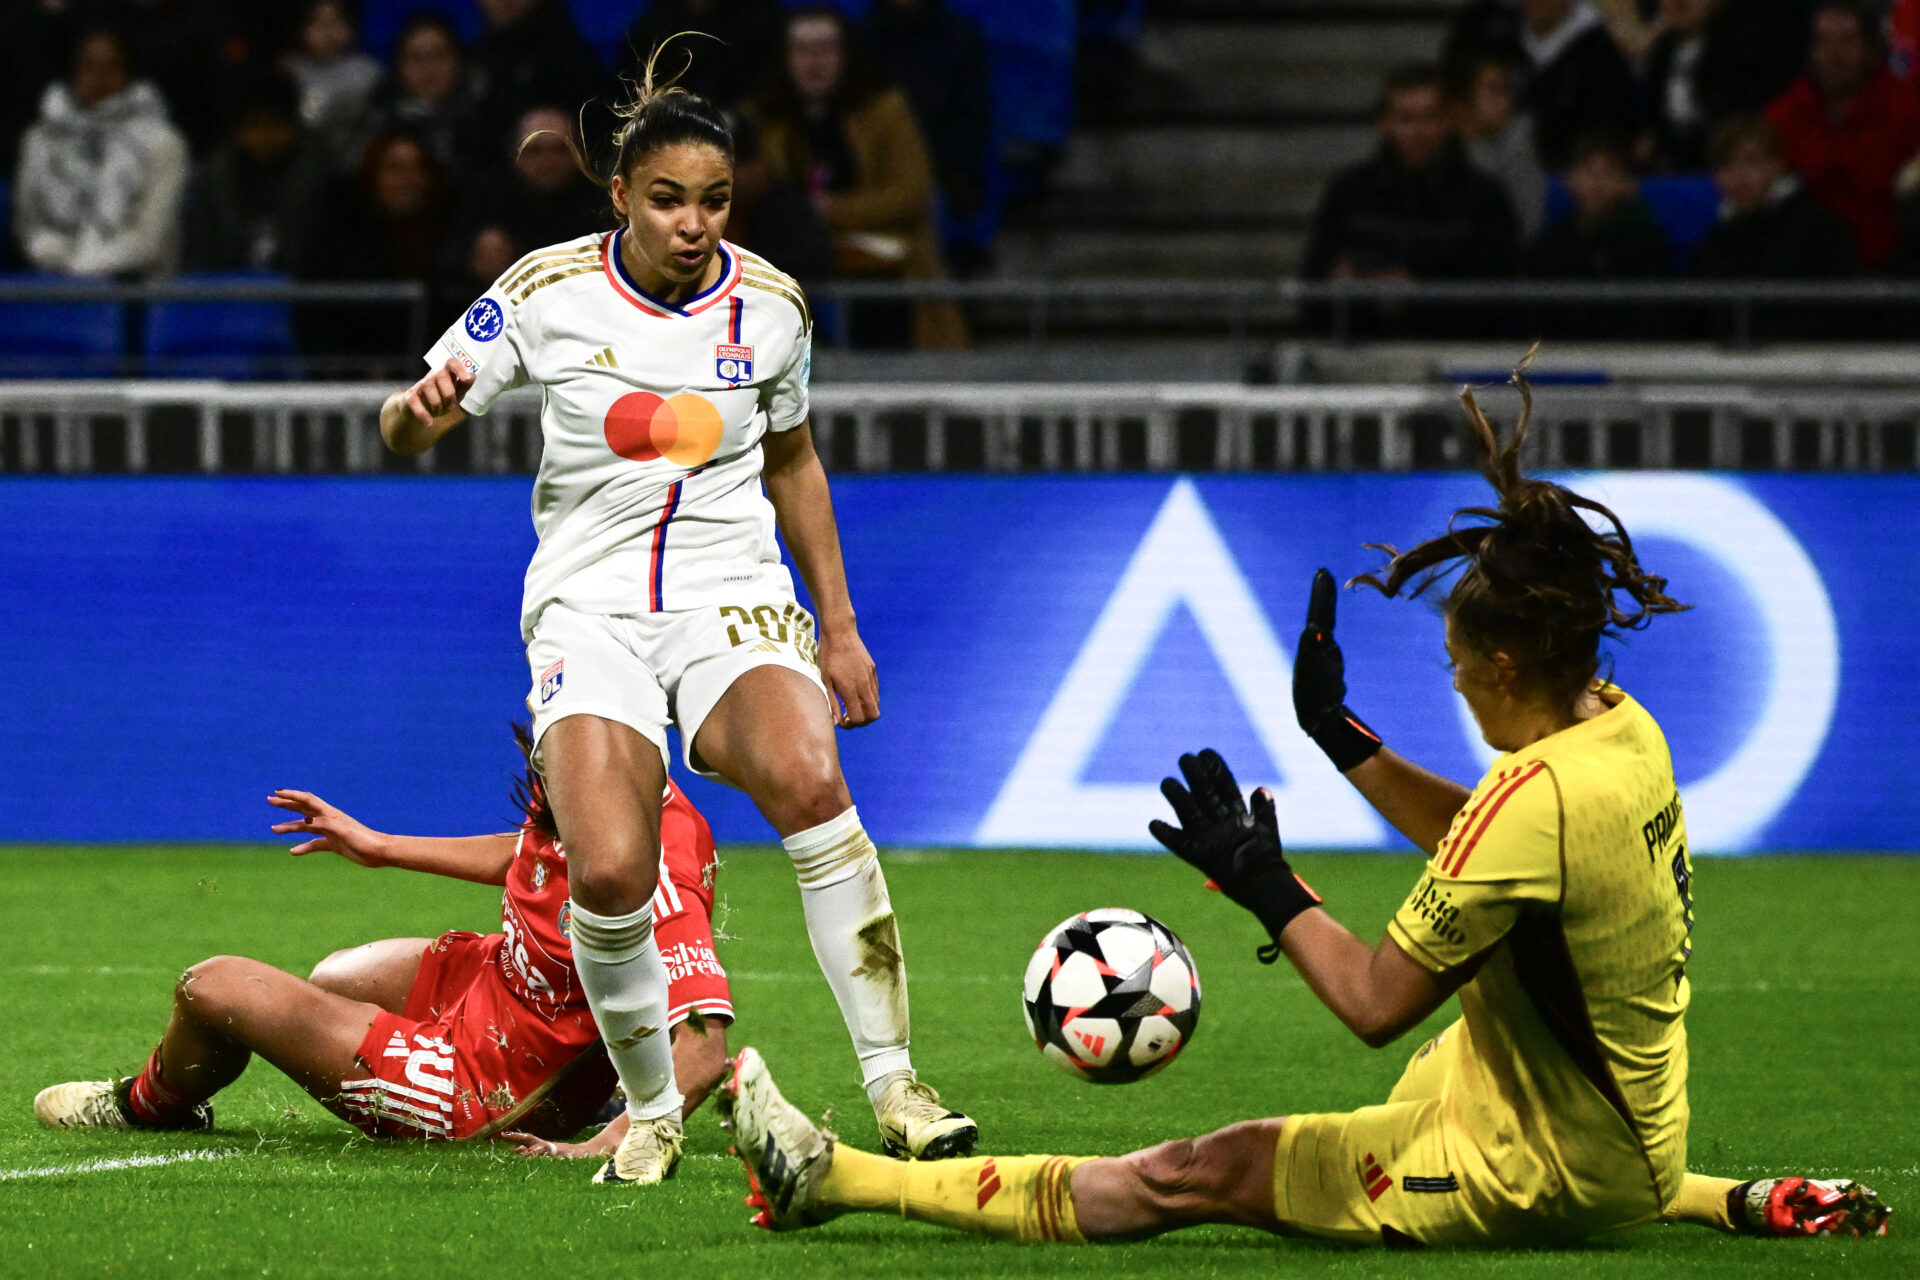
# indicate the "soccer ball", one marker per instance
pixel 1111 996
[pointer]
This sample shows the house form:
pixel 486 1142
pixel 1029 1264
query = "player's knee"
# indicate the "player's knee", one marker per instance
pixel 331 974
pixel 616 879
pixel 206 990
pixel 810 797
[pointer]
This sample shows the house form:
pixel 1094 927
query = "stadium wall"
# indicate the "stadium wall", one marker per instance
pixel 1047 646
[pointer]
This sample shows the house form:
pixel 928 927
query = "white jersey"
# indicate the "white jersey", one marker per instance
pixel 648 498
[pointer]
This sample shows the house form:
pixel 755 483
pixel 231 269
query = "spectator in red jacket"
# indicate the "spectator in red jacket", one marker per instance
pixel 1849 125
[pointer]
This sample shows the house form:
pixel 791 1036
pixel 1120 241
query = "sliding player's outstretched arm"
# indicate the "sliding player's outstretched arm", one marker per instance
pixel 1420 804
pixel 1378 992
pixel 480 859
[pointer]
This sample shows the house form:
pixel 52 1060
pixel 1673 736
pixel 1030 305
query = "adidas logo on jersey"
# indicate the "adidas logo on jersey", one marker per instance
pixel 605 360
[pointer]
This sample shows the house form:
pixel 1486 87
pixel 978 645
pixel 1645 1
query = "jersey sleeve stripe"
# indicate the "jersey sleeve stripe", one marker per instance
pixel 1465 824
pixel 533 264
pixel 566 273
pixel 654 574
pixel 1458 862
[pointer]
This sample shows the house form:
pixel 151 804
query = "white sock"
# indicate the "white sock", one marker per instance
pixel 626 985
pixel 850 921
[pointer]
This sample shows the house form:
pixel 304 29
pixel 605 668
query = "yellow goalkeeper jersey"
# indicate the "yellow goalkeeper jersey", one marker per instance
pixel 1567 873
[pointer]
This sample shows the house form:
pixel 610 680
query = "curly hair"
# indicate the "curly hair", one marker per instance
pixel 529 792
pixel 1538 580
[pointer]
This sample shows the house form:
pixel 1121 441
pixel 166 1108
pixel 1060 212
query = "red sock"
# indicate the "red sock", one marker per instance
pixel 152 1102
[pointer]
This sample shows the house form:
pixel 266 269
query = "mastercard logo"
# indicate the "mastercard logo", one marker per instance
pixel 683 429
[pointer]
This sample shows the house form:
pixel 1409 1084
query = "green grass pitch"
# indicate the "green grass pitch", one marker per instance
pixel 1803 1050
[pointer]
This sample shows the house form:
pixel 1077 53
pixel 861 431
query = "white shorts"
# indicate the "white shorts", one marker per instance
pixel 646 669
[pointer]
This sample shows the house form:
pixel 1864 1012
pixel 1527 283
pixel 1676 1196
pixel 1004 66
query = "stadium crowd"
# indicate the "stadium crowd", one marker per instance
pixel 150 137
pixel 1722 139
pixel 1547 139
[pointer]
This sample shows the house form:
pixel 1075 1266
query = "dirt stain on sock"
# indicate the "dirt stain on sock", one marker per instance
pixel 882 965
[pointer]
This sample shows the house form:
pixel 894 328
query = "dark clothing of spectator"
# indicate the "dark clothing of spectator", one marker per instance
pixel 727 70
pixel 1484 29
pixel 449 127
pixel 187 48
pixel 531 218
pixel 539 61
pixel 1576 82
pixel 36 42
pixel 1447 222
pixel 939 59
pixel 1791 237
pixel 1689 83
pixel 244 216
pixel 1849 163
pixel 358 243
pixel 1626 244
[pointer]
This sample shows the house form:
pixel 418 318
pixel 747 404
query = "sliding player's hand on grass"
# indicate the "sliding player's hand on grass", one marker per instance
pixel 598 1147
pixel 1238 850
pixel 1320 685
pixel 853 684
pixel 332 830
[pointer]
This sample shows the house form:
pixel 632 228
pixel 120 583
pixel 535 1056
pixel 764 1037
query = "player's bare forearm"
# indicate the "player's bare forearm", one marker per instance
pixel 1379 993
pixel 803 506
pixel 1418 802
pixel 330 829
pixel 479 859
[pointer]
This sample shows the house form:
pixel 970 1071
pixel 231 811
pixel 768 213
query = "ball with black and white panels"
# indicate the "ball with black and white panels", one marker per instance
pixel 1111 996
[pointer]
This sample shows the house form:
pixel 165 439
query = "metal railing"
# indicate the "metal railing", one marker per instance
pixel 1034 310
pixel 129 356
pixel 1239 307
pixel 320 428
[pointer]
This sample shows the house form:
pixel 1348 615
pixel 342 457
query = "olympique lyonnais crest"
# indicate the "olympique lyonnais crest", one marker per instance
pixel 732 362
pixel 551 680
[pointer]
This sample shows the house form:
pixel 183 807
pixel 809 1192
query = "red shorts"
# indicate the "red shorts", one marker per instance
pixel 467 1059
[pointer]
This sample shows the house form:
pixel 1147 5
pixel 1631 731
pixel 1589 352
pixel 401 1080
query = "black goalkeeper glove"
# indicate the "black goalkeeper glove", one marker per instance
pixel 1237 850
pixel 1320 685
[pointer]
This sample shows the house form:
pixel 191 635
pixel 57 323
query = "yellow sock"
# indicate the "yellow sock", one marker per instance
pixel 1703 1202
pixel 1013 1197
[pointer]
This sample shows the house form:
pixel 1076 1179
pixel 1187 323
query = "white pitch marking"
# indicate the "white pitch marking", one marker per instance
pixel 107 1166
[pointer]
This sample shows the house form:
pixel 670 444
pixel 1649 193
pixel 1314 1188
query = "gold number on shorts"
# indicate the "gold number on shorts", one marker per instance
pixel 746 619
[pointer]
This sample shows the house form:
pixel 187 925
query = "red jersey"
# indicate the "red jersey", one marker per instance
pixel 496 1031
pixel 536 959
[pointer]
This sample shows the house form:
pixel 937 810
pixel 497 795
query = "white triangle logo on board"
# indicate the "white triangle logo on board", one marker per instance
pixel 1181 561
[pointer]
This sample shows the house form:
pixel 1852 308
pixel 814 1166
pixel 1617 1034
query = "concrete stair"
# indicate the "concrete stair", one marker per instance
pixel 1215 168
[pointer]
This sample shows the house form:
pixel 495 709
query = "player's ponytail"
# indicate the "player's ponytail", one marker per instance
pixel 655 113
pixel 529 792
pixel 1538 580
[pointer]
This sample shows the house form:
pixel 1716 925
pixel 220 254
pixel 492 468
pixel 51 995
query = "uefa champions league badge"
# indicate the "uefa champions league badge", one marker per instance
pixel 485 320
pixel 733 363
pixel 551 680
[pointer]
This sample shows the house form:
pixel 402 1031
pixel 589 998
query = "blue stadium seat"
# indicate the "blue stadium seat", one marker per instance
pixel 59 339
pixel 1686 205
pixel 380 21
pixel 604 23
pixel 219 339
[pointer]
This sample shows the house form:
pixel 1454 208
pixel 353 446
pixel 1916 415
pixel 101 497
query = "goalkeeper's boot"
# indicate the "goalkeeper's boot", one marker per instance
pixel 914 1125
pixel 786 1154
pixel 1809 1207
pixel 649 1153
pixel 103 1104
